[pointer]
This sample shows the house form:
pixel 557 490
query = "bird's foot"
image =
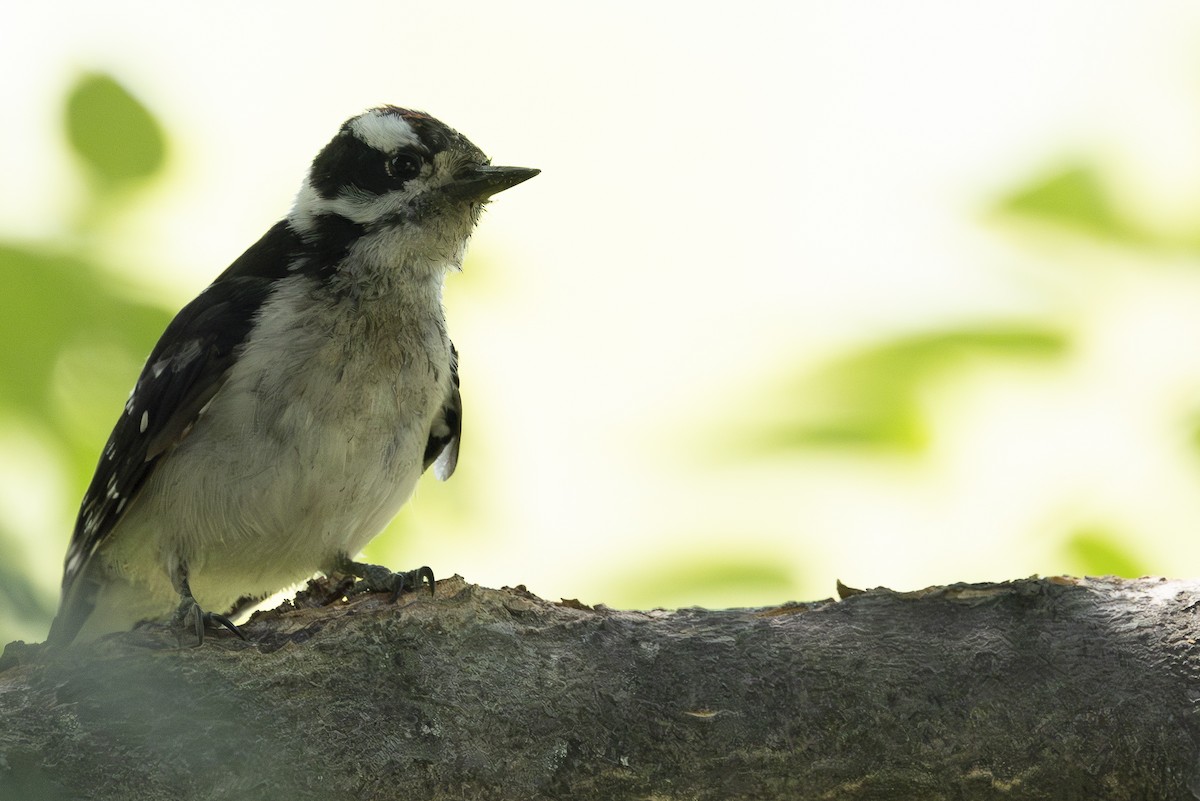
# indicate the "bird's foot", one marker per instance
pixel 376 578
pixel 190 621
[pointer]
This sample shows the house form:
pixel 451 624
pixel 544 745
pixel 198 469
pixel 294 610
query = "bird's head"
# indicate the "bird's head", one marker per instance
pixel 401 187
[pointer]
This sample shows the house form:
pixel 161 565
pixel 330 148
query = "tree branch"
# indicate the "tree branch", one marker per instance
pixel 1054 688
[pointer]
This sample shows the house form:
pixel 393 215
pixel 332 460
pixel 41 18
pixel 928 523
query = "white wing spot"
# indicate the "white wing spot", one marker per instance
pixel 145 422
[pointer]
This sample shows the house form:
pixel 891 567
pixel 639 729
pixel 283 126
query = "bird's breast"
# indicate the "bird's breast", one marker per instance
pixel 317 436
pixel 350 386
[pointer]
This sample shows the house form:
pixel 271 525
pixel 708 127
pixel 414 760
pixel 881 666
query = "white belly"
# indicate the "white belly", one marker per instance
pixel 306 453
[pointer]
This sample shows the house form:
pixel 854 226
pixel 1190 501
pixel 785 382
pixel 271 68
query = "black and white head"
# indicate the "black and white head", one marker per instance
pixel 402 185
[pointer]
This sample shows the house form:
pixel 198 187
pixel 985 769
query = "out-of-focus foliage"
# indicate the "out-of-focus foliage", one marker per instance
pixel 1077 199
pixel 685 579
pixel 117 138
pixel 872 399
pixel 60 302
pixel 1074 198
pixel 872 402
pixel 67 301
pixel 1100 552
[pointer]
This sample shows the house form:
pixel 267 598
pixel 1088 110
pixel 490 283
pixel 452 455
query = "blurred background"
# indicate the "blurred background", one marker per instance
pixel 901 294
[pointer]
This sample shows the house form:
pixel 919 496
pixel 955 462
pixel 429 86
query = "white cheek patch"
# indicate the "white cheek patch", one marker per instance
pixel 384 132
pixel 356 206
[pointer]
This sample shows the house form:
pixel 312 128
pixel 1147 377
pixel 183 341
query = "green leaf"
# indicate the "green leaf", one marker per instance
pixel 54 301
pixel 1194 425
pixel 1073 197
pixel 115 135
pixel 872 399
pixel 1099 552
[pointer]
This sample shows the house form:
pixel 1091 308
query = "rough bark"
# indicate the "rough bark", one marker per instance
pixel 1037 689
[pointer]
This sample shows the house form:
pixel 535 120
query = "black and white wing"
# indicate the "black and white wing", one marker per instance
pixel 186 368
pixel 441 450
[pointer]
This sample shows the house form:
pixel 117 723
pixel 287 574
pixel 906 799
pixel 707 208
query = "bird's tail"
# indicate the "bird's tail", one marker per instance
pixel 77 603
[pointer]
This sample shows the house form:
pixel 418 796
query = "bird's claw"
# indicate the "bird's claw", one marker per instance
pixel 375 578
pixel 190 619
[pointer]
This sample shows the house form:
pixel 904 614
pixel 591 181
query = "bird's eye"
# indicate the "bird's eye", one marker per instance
pixel 404 165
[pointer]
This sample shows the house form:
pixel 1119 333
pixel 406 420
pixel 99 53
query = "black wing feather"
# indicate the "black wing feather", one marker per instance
pixel 444 436
pixel 186 368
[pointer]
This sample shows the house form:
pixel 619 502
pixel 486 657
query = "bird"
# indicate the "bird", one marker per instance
pixel 287 412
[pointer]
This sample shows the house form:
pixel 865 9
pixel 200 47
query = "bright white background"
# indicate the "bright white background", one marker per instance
pixel 729 196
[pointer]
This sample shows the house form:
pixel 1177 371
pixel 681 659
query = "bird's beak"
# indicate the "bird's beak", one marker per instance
pixel 482 181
